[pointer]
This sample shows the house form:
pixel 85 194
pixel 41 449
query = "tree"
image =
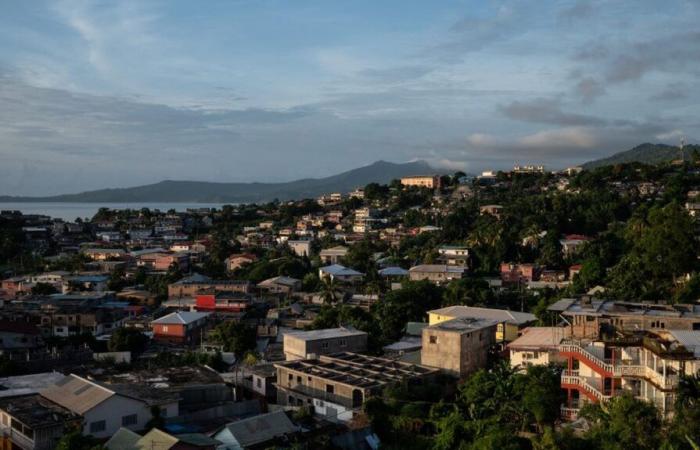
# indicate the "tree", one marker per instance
pixel 74 440
pixel 623 423
pixel 127 339
pixel 156 420
pixel 407 304
pixel 235 337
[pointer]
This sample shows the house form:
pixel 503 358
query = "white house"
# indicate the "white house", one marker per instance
pixel 106 408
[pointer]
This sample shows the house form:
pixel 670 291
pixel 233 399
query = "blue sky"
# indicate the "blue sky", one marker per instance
pixel 108 94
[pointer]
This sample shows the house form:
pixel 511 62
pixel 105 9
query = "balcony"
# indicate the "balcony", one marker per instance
pixel 323 395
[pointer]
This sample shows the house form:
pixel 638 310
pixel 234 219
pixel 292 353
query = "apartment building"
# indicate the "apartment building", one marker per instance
pixel 454 255
pixel 426 181
pixel 336 386
pixel 301 247
pixel 588 317
pixel 437 273
pixel 333 255
pixel 537 346
pixel 309 344
pixel 191 286
pixel 646 364
pixel 459 346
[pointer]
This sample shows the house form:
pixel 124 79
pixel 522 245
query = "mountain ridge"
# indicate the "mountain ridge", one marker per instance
pixel 646 153
pixel 188 191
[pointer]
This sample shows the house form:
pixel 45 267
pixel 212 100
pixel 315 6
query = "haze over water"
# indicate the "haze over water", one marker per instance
pixel 71 211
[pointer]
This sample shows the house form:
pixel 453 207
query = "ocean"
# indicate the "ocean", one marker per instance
pixel 71 211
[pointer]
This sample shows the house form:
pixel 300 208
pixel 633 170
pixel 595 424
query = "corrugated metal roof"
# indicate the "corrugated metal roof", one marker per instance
pixel 539 338
pixel 77 394
pixel 123 439
pixel 503 315
pixel 688 339
pixel 180 318
pixel 261 428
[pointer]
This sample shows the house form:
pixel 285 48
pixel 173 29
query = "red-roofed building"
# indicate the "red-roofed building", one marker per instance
pixel 221 302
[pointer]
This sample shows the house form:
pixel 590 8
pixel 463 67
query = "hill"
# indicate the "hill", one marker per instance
pixel 645 153
pixel 208 192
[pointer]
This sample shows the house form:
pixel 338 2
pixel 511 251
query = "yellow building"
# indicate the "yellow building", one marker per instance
pixel 509 322
pixel 427 181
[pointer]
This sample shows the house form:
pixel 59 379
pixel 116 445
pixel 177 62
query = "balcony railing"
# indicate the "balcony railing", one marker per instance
pixel 323 395
pixel 569 413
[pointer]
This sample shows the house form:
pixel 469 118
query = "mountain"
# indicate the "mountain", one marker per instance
pixel 645 153
pixel 207 192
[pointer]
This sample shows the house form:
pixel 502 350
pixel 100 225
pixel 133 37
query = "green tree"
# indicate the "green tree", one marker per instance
pixel 235 337
pixel 127 339
pixel 43 289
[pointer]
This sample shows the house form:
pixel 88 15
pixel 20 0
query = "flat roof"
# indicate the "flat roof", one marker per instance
pixel 36 411
pixel 354 369
pixel 534 338
pixel 463 324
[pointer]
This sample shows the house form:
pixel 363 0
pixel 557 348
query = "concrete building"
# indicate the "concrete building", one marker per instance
pixel 588 317
pixel 459 346
pixel 333 255
pixel 537 346
pixel 437 273
pixel 509 322
pixel 301 247
pixel 31 422
pixel 337 386
pixel 646 364
pixel 426 181
pixel 310 344
pixel 454 255
pixel 191 286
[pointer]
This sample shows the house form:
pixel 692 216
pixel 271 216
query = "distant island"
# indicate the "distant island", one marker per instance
pixel 209 192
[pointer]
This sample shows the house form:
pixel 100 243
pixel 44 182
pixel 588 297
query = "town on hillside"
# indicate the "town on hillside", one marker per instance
pixel 522 309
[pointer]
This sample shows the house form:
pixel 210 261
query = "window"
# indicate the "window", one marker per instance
pixel 290 377
pixel 324 345
pixel 433 339
pixel 330 388
pixel 165 328
pixel 96 427
pixel 131 419
pixel 258 382
pixel 343 342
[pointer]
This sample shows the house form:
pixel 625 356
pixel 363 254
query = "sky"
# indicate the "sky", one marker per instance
pixel 97 94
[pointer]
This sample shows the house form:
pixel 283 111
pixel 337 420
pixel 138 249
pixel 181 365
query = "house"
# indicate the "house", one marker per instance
pixel 239 260
pixel 458 346
pixel 300 247
pixel 104 254
pixel 256 432
pixel 264 377
pixel 519 273
pixel 336 386
pixel 309 344
pixel 180 327
pixel 454 255
pixel 161 261
pixel 18 335
pixel 333 255
pixel 192 285
pixel 125 439
pixel 425 181
pixel 106 409
pixel 587 317
pixel 340 273
pixel 280 285
pixel 648 365
pixel 536 346
pixel 571 243
pixel 31 422
pixel 393 273
pixel 437 273
pixel 221 302
pixel 509 322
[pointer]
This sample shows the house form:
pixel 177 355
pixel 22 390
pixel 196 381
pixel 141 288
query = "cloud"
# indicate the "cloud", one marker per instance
pixel 547 111
pixel 588 89
pixel 672 92
pixel 580 10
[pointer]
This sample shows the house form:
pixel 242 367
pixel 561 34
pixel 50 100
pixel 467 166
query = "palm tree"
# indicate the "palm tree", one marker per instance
pixel 329 291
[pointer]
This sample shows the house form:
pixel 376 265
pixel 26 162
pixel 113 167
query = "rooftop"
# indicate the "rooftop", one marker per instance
pixel 261 428
pixel 539 338
pixel 595 307
pixel 36 411
pixel 463 324
pixel 180 318
pixel 501 315
pixel 357 370
pixel 437 268
pixel 327 333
